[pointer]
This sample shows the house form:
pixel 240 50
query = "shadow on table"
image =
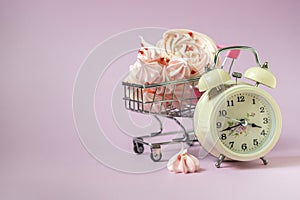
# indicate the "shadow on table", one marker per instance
pixel 274 162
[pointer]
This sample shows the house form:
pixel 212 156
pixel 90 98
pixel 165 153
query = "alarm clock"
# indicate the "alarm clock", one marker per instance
pixel 236 120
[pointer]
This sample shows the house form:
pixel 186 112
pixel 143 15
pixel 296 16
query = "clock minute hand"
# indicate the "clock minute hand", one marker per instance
pixel 230 127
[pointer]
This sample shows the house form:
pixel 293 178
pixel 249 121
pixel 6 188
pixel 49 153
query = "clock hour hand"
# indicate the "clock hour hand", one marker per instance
pixel 254 125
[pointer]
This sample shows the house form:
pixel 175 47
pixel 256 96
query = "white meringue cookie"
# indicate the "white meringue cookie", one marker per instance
pixel 142 72
pixel 197 49
pixel 149 54
pixel 183 162
pixel 164 77
pixel 178 69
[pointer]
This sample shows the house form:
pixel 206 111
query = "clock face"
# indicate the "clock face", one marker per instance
pixel 244 122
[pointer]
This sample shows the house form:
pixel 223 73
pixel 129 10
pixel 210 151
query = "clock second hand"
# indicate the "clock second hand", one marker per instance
pixel 232 119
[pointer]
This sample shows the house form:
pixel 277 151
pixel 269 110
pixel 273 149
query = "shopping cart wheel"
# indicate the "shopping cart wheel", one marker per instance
pixel 156 153
pixel 138 147
pixel 191 143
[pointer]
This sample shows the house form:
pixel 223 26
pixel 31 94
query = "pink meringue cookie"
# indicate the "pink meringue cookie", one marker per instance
pixel 148 66
pixel 183 162
pixel 178 69
pixel 149 54
pixel 144 72
pixel 197 49
pixel 164 77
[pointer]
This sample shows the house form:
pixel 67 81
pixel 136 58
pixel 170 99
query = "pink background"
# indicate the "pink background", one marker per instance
pixel 43 44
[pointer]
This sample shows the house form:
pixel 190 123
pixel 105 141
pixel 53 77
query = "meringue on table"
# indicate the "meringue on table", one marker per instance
pixel 183 162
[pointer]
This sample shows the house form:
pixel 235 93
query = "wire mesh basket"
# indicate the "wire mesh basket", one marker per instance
pixel 169 99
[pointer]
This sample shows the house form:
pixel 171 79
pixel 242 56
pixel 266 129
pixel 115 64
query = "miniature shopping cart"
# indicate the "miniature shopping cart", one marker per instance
pixel 162 103
pixel 174 99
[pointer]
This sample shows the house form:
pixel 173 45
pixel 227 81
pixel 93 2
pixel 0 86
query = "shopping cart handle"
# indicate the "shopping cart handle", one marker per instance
pixel 237 48
pixel 234 54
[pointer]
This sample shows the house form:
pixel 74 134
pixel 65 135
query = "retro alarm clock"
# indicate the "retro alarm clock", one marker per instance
pixel 235 120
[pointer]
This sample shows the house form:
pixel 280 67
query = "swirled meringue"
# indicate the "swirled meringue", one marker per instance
pixel 142 72
pixel 149 64
pixel 178 69
pixel 183 162
pixel 197 49
pixel 164 77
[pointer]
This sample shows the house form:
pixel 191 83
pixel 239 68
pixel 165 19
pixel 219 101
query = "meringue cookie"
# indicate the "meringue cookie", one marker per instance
pixel 149 54
pixel 197 49
pixel 142 72
pixel 183 162
pixel 164 77
pixel 178 69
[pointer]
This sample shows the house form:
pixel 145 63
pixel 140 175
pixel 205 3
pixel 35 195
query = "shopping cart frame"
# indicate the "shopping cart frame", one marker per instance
pixel 134 101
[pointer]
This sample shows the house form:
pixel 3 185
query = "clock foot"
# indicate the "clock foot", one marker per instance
pixel 220 160
pixel 265 161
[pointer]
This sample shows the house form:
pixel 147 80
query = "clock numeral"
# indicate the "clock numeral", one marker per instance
pixel 219 124
pixel 262 109
pixel 255 142
pixel 222 113
pixel 253 101
pixel 265 120
pixel 241 99
pixel 231 145
pixel 230 103
pixel 223 136
pixel 263 132
pixel 244 146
